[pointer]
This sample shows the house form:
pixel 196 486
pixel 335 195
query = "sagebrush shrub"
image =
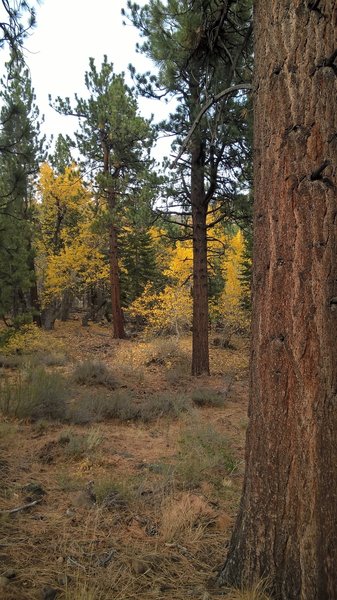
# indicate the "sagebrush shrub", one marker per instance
pixel 207 397
pixel 94 372
pixel 37 394
pixel 204 454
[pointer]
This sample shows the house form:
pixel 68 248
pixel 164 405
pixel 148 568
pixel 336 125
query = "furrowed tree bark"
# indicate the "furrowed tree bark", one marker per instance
pixel 286 529
pixel 116 301
pixel 200 350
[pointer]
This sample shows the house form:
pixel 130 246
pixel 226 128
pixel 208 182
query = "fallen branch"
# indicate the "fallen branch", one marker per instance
pixel 10 511
pixel 213 100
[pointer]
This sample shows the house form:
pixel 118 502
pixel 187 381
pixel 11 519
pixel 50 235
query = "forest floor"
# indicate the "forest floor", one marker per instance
pixel 133 503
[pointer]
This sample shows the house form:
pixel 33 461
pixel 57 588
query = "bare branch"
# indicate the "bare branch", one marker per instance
pixel 19 508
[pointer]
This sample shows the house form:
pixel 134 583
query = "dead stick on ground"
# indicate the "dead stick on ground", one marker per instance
pixel 15 510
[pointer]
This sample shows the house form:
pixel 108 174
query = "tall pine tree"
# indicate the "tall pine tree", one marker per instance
pixel 115 142
pixel 22 150
pixel 202 53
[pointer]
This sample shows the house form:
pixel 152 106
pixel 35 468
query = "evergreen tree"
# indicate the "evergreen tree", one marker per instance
pixel 202 52
pixel 22 149
pixel 19 18
pixel 61 157
pixel 115 143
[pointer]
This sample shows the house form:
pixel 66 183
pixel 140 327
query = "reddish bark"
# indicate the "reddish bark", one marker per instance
pixel 116 301
pixel 287 524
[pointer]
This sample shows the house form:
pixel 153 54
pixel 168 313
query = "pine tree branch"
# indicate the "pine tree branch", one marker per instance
pixel 205 108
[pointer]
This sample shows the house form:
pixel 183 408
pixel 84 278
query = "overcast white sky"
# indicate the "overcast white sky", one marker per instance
pixel 68 32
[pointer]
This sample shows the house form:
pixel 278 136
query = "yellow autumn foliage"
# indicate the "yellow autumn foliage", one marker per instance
pixel 227 309
pixel 170 310
pixel 69 254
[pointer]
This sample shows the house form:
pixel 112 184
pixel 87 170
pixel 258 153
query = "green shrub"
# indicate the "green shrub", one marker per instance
pixel 121 405
pixel 98 407
pixel 49 359
pixel 91 372
pixel 35 395
pixel 207 397
pixel 78 445
pixel 10 362
pixel 164 405
pixel 204 454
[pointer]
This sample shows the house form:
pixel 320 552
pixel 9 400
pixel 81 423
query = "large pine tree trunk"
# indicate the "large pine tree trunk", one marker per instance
pixel 116 300
pixel 200 351
pixel 287 525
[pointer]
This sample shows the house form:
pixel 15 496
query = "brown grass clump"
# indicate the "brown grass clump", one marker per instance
pixel 257 592
pixel 184 519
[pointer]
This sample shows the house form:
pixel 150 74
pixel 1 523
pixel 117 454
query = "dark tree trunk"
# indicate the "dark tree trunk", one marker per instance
pixel 287 524
pixel 66 305
pixel 48 316
pixel 200 350
pixel 34 294
pixel 35 302
pixel 116 300
pixel 116 304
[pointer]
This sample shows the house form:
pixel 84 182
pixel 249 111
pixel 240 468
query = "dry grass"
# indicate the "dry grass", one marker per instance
pixel 204 452
pixel 146 537
pixel 185 518
pixel 34 395
pixel 256 592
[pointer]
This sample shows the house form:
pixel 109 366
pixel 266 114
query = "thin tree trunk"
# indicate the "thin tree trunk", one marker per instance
pixel 200 350
pixel 35 302
pixel 287 524
pixel 66 305
pixel 117 312
pixel 34 294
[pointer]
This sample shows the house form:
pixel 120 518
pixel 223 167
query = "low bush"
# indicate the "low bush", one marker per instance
pixel 207 397
pixel 78 445
pixel 91 372
pixel 112 494
pixel 98 407
pixel 204 454
pixel 35 395
pixel 164 405
pixel 10 362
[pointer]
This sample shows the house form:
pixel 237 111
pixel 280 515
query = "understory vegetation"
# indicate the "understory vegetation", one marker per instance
pixel 126 478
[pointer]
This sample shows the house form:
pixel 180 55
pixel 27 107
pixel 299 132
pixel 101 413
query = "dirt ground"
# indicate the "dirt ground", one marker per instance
pixel 124 509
